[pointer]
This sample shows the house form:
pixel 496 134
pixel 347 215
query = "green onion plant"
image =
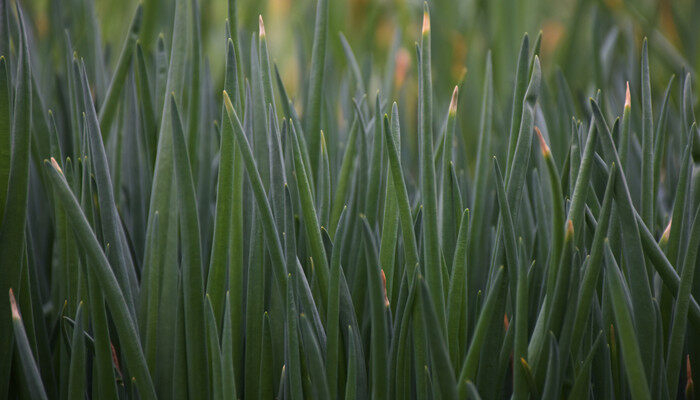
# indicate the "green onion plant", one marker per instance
pixel 180 220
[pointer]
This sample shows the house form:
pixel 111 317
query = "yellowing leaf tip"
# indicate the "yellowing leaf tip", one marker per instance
pixel 546 152
pixel 453 101
pixel 261 27
pixel 227 102
pixel 667 232
pixel 13 306
pixel 386 298
pixel 569 230
pixel 55 165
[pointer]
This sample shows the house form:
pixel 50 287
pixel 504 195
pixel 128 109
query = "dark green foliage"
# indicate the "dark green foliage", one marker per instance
pixel 183 222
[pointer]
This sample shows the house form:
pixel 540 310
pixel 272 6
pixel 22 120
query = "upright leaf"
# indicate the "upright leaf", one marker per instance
pixel 431 241
pixel 458 296
pixel 111 101
pixel 647 203
pixel 392 138
pixel 225 193
pixel 312 111
pixel 470 364
pixel 678 328
pixel 76 384
pixel 477 226
pixel 520 86
pixel 5 131
pixel 193 289
pixel 12 226
pixel 267 219
pixel 111 224
pixel 628 337
pixel 442 371
pixel 30 370
pixel 163 193
pixel 643 310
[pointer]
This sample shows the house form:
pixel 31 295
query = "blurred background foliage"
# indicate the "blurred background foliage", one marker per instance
pixel 594 43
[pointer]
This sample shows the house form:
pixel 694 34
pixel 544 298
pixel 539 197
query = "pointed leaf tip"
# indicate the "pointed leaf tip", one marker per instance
pixel 569 230
pixel 426 19
pixel 386 299
pixel 261 27
pixel 227 101
pixel 55 165
pixel 667 232
pixel 628 99
pixel 13 306
pixel 546 152
pixel 453 101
